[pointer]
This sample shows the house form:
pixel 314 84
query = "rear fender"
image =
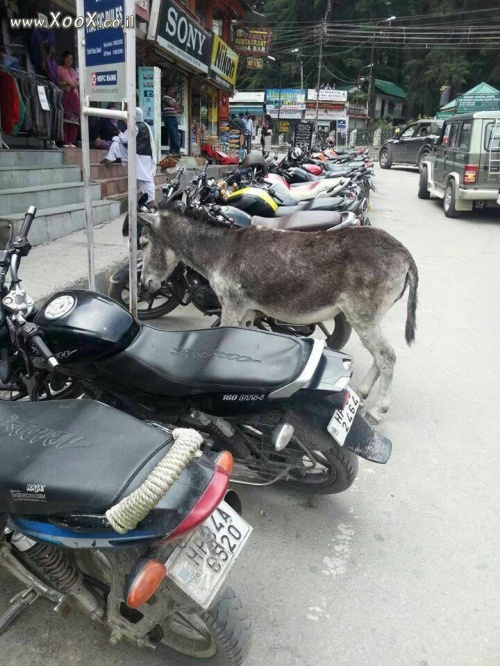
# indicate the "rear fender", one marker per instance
pixel 363 440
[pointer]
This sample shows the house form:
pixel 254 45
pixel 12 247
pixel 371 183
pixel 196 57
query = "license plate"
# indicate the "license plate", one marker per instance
pixel 201 562
pixel 342 419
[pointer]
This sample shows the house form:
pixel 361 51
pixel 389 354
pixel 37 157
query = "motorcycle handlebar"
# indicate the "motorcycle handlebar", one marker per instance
pixel 28 219
pixel 42 348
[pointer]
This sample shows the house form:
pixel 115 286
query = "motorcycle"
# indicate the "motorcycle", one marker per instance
pixel 280 404
pixel 185 285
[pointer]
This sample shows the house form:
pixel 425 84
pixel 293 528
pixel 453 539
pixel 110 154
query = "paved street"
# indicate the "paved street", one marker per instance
pixel 403 568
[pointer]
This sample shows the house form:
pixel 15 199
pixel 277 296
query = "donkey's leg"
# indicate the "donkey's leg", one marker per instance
pixel 368 382
pixel 384 358
pixel 235 313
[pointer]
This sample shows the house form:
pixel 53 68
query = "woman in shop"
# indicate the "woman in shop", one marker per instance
pixel 68 82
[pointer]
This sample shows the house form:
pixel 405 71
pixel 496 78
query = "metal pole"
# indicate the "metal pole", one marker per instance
pixel 371 85
pixel 301 74
pixel 318 83
pixel 84 128
pixel 132 152
pixel 279 96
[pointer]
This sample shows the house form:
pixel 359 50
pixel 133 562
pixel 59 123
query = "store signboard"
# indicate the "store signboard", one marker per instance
pixel 327 95
pixel 471 103
pixel 223 64
pixel 248 97
pixel 255 63
pixel 325 114
pixel 288 97
pixel 253 41
pixel 342 125
pixel 105 51
pixel 180 34
pixel 150 101
pixel 286 112
pixel 303 134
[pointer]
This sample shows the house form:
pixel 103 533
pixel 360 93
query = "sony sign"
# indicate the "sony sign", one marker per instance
pixel 180 34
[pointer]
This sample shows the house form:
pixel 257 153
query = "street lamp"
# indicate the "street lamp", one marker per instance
pixel 371 87
pixel 273 59
pixel 301 67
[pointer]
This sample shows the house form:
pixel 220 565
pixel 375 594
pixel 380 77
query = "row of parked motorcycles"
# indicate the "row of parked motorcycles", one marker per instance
pixel 118 440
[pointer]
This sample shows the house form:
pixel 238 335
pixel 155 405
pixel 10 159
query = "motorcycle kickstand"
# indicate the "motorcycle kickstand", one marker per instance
pixel 323 329
pixel 18 605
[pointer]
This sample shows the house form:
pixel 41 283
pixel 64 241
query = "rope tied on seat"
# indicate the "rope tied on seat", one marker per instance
pixel 129 512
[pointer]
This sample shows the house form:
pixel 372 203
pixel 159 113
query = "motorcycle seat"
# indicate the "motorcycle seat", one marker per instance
pixel 301 221
pixel 213 360
pixel 320 203
pixel 67 456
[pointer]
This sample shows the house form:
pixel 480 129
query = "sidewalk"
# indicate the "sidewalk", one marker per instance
pixel 63 263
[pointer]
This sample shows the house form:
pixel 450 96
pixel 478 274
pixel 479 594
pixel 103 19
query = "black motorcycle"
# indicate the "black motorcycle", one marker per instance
pixel 186 286
pixel 280 404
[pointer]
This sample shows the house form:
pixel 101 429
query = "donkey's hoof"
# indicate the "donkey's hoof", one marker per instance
pixel 375 416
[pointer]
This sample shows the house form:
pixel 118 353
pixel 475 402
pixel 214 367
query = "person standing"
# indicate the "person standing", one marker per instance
pixel 68 82
pixel 249 128
pixel 169 110
pixel 146 155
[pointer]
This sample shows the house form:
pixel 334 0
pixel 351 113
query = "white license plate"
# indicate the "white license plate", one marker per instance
pixel 342 419
pixel 201 562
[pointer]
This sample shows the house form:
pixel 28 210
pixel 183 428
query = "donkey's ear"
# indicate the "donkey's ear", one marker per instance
pixel 149 220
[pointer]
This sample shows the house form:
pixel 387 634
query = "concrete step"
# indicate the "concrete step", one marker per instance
pixel 12 177
pixel 103 172
pixel 17 200
pixel 112 186
pixel 31 158
pixel 74 155
pixel 122 198
pixel 52 223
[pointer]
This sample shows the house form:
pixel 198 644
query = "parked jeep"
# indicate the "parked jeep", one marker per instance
pixel 411 145
pixel 464 168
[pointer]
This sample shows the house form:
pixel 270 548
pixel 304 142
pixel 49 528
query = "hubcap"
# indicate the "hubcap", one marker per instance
pixel 383 157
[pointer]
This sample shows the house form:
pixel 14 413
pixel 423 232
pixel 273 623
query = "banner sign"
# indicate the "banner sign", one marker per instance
pixel 224 64
pixel 325 114
pixel 248 97
pixel 149 101
pixel 471 103
pixel 289 97
pixel 179 33
pixel 327 95
pixel 286 112
pixel 303 134
pixel 255 63
pixel 253 41
pixel 105 51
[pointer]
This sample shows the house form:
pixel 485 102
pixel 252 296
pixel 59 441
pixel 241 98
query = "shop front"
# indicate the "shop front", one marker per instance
pixel 181 47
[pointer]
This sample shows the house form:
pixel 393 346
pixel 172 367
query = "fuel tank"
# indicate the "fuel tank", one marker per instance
pixel 81 325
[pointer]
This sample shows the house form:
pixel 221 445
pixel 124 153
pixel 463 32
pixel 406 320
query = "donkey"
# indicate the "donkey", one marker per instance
pixel 293 276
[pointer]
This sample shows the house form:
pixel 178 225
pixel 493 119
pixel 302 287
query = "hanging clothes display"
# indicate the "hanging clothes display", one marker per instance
pixel 21 107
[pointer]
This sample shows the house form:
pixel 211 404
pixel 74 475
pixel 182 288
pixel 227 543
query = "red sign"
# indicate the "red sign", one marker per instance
pixel 326 105
pixel 253 41
pixel 142 9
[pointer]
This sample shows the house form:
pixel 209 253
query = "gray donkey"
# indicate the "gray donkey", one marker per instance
pixel 292 276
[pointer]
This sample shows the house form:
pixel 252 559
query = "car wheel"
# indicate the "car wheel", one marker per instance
pixel 450 200
pixel 384 158
pixel 423 184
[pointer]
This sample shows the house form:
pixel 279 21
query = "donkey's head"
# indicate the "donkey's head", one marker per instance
pixel 159 260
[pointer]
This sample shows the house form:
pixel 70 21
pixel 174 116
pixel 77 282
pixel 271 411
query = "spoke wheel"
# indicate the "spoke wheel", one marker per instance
pixel 331 470
pixel 148 307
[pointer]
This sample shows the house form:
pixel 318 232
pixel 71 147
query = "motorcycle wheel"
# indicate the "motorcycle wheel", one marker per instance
pixel 341 333
pixel 331 471
pixel 217 637
pixel 163 303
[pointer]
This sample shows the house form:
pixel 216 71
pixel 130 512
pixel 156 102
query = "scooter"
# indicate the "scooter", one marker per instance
pixel 116 516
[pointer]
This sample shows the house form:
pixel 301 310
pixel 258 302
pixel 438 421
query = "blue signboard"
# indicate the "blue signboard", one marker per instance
pixel 341 125
pixel 105 49
pixel 289 97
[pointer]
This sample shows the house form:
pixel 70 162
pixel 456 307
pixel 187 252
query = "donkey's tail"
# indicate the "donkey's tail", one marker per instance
pixel 411 317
